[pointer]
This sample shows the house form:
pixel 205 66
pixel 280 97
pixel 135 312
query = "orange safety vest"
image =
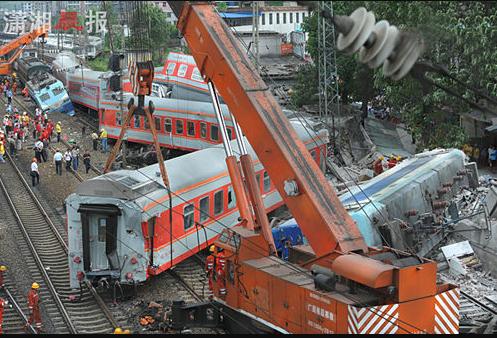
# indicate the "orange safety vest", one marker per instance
pixel 2 304
pixel 221 273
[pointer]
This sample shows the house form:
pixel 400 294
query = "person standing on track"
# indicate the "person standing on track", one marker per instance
pixel 58 130
pixel 2 305
pixel 94 137
pixel 86 160
pixel 57 159
pixel 103 137
pixel 35 174
pixel 44 152
pixel 68 159
pixel 2 152
pixel 38 148
pixel 75 157
pixel 34 306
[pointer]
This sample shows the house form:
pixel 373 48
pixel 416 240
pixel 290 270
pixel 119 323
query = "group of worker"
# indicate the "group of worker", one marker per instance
pixel 33 303
pixel 215 268
pixel 381 164
pixel 483 155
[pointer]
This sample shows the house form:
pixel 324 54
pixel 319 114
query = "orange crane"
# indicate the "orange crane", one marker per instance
pixel 17 45
pixel 337 284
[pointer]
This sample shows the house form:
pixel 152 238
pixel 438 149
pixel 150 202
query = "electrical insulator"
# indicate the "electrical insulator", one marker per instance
pixel 379 43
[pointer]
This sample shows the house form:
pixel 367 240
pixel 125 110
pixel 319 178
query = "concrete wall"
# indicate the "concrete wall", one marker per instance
pixel 269 44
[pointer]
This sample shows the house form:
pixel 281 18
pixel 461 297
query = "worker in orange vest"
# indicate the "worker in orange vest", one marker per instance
pixel 2 305
pixel 221 272
pixel 392 161
pixel 34 306
pixel 378 165
pixel 3 268
pixel 209 266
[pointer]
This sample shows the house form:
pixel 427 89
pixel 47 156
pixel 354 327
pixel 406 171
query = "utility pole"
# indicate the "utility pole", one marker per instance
pixel 255 31
pixel 329 98
pixel 82 9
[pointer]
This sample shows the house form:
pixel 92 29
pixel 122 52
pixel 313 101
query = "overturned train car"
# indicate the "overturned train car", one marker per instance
pixel 119 227
pixel 408 207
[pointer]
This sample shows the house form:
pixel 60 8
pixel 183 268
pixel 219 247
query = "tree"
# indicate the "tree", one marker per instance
pixel 152 31
pixel 460 35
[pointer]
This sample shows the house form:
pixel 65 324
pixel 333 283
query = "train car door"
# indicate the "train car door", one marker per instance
pixel 99 232
pixel 98 241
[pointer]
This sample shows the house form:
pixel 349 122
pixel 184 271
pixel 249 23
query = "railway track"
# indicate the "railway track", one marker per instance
pixel 477 315
pixel 45 252
pixel 191 276
pixel 15 317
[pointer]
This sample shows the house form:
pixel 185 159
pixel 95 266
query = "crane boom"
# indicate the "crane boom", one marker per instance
pixel 16 45
pixel 304 189
pixel 378 289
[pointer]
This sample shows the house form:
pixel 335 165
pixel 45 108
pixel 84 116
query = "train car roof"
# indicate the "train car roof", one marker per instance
pixel 183 172
pixel 386 184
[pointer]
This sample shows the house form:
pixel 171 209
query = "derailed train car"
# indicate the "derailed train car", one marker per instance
pixel 402 207
pixel 118 223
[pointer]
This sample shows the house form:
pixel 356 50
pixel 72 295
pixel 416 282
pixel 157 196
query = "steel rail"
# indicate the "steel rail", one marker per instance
pixel 18 309
pixel 61 241
pixel 37 258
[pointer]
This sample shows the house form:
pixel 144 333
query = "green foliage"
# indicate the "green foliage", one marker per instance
pixel 305 90
pixel 222 6
pixel 459 35
pixel 100 63
pixel 161 32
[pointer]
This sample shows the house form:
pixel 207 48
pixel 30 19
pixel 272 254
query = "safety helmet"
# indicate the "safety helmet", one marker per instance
pixel 118 330
pixel 212 248
pixel 24 113
pixel 3 268
pixel 35 286
pixel 381 158
pixel 399 158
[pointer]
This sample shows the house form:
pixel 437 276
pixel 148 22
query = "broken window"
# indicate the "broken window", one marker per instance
pixel 218 202
pixel 190 128
pixel 204 209
pixel 188 216
pixel 168 125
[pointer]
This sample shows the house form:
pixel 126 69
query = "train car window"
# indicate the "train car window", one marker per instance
pixel 182 70
pixel 147 124
pixel 267 182
pixel 258 178
pixel 190 128
pixel 119 120
pixel 231 198
pixel 168 125
pixel 230 133
pixel 102 225
pixel 179 127
pixel 157 123
pixel 170 68
pixel 313 153
pixel 44 97
pixel 214 133
pixel 188 214
pixel 218 202
pixel 56 91
pixel 204 209
pixel 137 121
pixel 203 129
pixel 196 76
